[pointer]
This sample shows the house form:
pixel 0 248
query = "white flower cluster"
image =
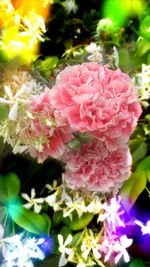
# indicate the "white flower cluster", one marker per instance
pixel 91 245
pixel 16 97
pixel 18 251
pixel 96 54
pixel 63 198
pixel 143 84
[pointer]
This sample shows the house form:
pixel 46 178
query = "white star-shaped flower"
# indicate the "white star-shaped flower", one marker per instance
pixel 64 250
pixel 32 201
pixel 145 229
pixel 120 247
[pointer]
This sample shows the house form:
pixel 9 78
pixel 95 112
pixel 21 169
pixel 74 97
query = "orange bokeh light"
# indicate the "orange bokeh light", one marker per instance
pixel 23 7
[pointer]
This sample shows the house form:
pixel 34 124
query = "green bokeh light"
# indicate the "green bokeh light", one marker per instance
pixel 119 10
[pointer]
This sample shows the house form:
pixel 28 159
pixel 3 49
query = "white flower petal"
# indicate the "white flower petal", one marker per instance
pixel 8 91
pixel 86 253
pixel 126 256
pixel 1 231
pixel 28 205
pixel 37 208
pixel 62 260
pixel 5 101
pixel 33 193
pixel 96 253
pixel 68 251
pixel 118 257
pixel 13 113
pixel 60 240
pixel 68 240
pixel 39 200
pixel 21 91
pixel 126 242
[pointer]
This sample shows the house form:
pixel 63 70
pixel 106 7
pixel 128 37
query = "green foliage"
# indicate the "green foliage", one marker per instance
pixel 9 187
pixel 144 28
pixel 46 66
pixel 65 231
pixel 132 188
pixel 139 150
pixel 76 238
pixel 10 203
pixel 143 46
pixel 57 217
pixel 30 221
pixel 77 223
pixel 3 111
pixel 137 263
pixel 3 212
pixel 147 117
pixel 144 165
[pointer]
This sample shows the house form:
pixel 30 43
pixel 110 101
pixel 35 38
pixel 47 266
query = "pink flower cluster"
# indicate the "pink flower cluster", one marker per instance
pixel 92 98
pixel 95 168
pixel 97 102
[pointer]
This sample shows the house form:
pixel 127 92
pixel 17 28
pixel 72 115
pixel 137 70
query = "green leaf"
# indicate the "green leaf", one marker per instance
pixel 76 238
pixel 148 175
pixel 49 63
pixel 3 190
pixel 143 46
pixel 13 185
pixel 65 231
pixel 9 187
pixel 147 117
pixel 144 28
pixel 3 212
pixel 137 263
pixel 30 221
pixel 77 222
pixel 132 188
pixel 3 111
pixel 144 164
pixel 57 217
pixel 2 145
pixel 139 152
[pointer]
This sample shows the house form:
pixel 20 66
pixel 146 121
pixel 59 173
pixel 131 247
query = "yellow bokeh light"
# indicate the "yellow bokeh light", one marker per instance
pixel 23 26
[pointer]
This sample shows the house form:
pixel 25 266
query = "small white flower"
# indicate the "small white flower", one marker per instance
pixel 54 202
pixel 120 247
pixel 90 243
pixel 70 5
pixel 112 214
pixel 92 48
pixel 52 187
pixel 32 201
pixel 95 206
pixel 95 51
pixel 144 228
pixel 64 250
pixel 75 204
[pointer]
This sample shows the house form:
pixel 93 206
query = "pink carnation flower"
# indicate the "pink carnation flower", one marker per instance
pixel 43 136
pixel 92 98
pixel 95 168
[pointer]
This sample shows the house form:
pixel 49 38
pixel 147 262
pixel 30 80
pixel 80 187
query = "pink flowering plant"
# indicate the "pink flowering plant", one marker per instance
pixel 74 138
